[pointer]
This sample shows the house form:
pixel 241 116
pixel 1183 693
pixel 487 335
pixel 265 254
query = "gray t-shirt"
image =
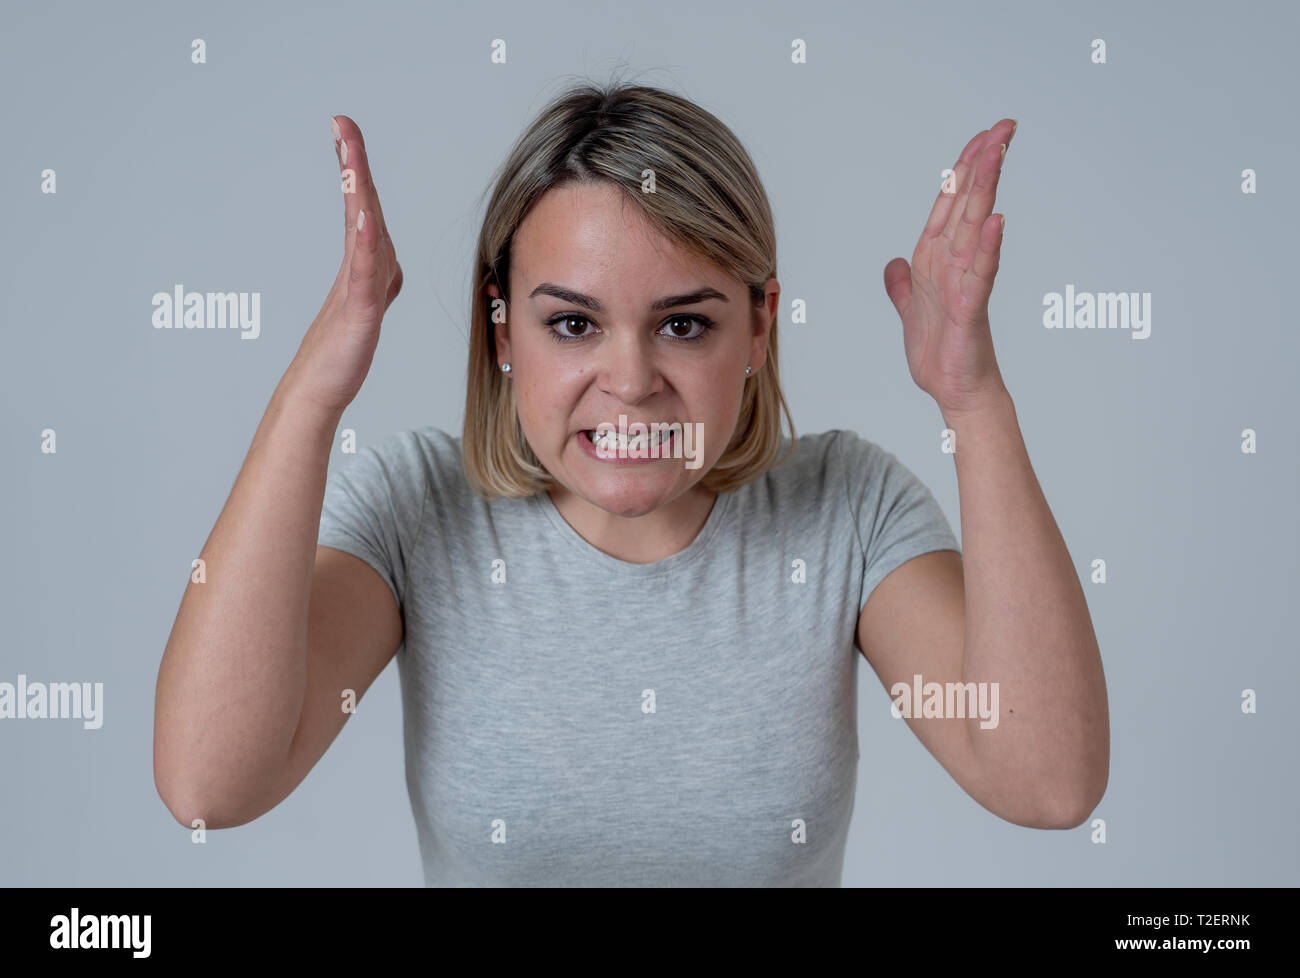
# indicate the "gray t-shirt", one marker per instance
pixel 572 719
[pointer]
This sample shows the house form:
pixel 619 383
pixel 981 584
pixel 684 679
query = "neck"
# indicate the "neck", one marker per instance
pixel 646 539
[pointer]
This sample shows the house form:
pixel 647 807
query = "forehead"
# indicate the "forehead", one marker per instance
pixel 586 235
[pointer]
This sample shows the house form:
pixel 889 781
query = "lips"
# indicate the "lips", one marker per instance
pixel 648 425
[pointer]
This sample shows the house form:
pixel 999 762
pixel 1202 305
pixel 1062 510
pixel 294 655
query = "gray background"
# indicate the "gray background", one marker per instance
pixel 1122 177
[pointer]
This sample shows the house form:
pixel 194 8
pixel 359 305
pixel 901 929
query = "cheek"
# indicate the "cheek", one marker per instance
pixel 718 407
pixel 715 397
pixel 549 399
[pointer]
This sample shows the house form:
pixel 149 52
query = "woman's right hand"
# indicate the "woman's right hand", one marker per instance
pixel 335 355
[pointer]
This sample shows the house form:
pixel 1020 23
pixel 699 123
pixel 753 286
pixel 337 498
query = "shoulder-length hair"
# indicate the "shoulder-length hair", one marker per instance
pixel 708 197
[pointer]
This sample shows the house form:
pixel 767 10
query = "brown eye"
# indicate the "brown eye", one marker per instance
pixel 564 334
pixel 676 324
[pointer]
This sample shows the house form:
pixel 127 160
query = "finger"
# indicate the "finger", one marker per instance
pixel 1000 132
pixel 979 205
pixel 966 164
pixel 346 137
pixel 948 192
pixel 942 205
pixel 898 285
pixel 367 285
pixel 961 180
pixel 355 173
pixel 395 286
pixel 374 206
pixel 978 280
pixel 356 187
pixel 942 210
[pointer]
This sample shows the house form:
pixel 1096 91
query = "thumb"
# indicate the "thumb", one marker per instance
pixel 395 286
pixel 898 284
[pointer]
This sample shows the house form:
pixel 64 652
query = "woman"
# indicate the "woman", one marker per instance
pixel 628 654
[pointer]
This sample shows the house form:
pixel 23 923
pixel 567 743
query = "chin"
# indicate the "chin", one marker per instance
pixel 627 496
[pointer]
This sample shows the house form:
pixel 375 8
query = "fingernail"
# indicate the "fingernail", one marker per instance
pixel 1004 224
pixel 334 130
pixel 361 220
pixel 1004 150
pixel 343 151
pixel 1014 123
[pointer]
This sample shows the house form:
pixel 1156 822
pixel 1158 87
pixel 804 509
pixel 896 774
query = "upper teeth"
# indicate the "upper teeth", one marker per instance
pixel 613 439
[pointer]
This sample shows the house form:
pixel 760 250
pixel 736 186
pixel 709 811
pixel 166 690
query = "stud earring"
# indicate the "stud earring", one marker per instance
pixel 748 370
pixel 505 368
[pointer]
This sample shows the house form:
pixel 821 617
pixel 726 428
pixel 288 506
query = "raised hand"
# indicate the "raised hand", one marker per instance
pixel 943 296
pixel 337 350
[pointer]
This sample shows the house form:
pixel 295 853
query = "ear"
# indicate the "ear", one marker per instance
pixel 763 319
pixel 498 321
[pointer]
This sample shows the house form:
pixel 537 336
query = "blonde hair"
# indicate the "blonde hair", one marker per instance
pixel 708 198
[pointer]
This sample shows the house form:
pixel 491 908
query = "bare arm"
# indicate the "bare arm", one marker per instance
pixel 234 674
pixel 1009 615
pixel 1008 619
pixel 240 716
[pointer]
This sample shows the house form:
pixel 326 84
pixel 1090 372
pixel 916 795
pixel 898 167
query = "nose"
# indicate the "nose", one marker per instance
pixel 627 369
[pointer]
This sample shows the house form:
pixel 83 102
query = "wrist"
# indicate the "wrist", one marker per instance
pixel 298 402
pixel 994 406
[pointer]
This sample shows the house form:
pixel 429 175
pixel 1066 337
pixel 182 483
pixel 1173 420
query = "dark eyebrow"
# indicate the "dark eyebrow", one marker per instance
pixel 590 302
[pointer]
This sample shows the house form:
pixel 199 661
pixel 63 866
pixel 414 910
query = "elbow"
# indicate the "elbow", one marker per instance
pixel 191 811
pixel 188 803
pixel 1069 808
pixel 186 813
pixel 180 801
pixel 1075 789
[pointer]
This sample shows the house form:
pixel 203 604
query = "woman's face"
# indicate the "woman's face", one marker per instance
pixel 623 349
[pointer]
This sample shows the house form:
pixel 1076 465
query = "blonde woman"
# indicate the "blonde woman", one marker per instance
pixel 628 654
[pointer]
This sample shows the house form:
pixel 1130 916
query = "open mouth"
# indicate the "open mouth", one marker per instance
pixel 614 442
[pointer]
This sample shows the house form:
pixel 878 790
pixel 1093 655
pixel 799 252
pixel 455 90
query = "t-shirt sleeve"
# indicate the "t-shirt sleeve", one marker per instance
pixel 373 506
pixel 897 516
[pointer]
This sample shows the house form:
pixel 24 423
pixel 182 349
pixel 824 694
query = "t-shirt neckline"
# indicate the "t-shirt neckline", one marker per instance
pixel 606 562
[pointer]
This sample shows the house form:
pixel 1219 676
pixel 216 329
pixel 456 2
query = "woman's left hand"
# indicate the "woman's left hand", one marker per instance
pixel 943 297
